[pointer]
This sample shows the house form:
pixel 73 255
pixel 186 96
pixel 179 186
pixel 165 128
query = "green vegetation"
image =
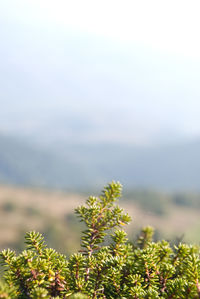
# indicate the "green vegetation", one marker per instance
pixel 151 201
pixel 173 216
pixel 9 206
pixel 115 269
pixel 158 202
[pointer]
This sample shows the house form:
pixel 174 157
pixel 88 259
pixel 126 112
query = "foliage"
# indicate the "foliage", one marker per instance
pixel 159 203
pixel 119 269
pixel 149 200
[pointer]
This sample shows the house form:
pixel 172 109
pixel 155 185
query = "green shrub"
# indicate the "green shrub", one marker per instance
pixel 9 206
pixel 120 269
pixel 151 201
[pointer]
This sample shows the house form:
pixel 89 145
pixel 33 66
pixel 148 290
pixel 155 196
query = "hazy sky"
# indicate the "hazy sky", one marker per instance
pixel 124 69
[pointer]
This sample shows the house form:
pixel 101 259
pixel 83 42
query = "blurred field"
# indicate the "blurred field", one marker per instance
pixel 51 212
pixel 31 209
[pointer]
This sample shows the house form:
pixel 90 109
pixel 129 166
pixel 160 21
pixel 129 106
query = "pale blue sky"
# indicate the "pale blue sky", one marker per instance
pixel 129 70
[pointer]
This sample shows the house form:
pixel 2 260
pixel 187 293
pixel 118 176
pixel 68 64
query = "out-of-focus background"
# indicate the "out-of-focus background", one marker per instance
pixel 94 91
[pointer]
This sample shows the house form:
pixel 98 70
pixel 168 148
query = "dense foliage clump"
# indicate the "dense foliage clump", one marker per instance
pixel 113 269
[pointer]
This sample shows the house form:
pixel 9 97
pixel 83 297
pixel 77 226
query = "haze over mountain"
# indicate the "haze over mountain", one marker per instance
pixel 133 82
pixel 78 166
pixel 97 91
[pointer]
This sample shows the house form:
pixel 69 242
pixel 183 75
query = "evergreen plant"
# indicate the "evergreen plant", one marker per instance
pixel 117 269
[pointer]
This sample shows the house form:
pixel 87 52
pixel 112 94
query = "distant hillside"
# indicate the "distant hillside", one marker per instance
pixel 175 166
pixel 83 166
pixel 24 164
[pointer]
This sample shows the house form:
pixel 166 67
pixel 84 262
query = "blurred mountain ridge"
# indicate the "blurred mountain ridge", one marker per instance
pixel 82 166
